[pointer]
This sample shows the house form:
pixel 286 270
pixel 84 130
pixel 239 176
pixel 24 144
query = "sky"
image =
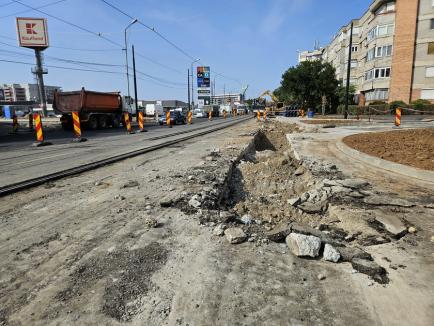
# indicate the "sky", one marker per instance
pixel 245 42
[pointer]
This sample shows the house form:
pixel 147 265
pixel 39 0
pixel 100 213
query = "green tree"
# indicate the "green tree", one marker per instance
pixel 341 94
pixel 308 82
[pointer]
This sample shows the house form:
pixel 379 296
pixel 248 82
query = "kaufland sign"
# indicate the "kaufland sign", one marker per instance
pixel 32 32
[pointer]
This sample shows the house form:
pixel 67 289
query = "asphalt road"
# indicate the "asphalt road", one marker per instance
pixel 20 161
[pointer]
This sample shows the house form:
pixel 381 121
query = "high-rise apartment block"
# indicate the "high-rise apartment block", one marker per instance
pixel 392 52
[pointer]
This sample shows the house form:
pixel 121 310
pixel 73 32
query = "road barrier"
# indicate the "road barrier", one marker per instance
pixel 190 117
pixel 39 132
pixel 209 115
pixel 15 124
pixel 141 123
pixel 265 115
pixel 398 117
pixel 224 114
pixel 77 127
pixel 168 119
pixel 30 122
pixel 258 116
pixel 128 122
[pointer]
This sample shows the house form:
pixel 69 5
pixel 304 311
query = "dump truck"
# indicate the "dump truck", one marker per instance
pixel 97 110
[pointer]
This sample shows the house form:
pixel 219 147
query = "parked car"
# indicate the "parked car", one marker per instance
pixel 176 117
pixel 199 113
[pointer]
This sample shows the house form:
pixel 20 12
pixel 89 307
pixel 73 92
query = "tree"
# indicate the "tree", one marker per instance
pixel 308 82
pixel 341 94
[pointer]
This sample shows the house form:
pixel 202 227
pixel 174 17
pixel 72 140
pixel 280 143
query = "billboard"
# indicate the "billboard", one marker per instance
pixel 32 32
pixel 203 77
pixel 203 100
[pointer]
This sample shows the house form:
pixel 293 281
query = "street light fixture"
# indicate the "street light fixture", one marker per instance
pixel 126 55
pixel 192 90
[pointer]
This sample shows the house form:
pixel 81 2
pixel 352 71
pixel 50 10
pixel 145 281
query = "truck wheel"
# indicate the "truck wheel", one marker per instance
pixel 93 123
pixel 103 122
pixel 116 122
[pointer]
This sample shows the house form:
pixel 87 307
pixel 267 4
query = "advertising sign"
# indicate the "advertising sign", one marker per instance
pixel 204 100
pixel 203 91
pixel 203 77
pixel 32 32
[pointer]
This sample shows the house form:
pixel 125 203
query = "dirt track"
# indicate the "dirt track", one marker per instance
pixel 410 147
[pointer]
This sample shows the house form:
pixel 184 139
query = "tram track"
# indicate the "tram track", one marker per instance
pixel 33 182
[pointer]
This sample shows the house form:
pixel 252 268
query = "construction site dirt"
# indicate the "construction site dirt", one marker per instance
pixel 229 229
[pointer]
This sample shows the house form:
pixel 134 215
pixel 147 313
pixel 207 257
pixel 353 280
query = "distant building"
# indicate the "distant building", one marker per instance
pixel 167 104
pixel 26 92
pixel 227 98
pixel 392 52
pixel 310 55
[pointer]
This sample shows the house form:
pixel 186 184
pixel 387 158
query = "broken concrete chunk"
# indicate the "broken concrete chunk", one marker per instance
pixel 349 253
pixel 219 230
pixel 246 219
pixel 329 183
pixel 386 201
pixel 264 155
pixel 370 268
pixel 279 233
pixel 303 245
pixel 412 229
pixel 312 208
pixel 353 183
pixel 392 224
pixel 235 235
pixel 307 230
pixel 193 202
pixel 331 254
pixel 339 189
pixel 299 171
pixel 294 201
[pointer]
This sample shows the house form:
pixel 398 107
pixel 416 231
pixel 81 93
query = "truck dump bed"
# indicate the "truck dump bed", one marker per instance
pixel 84 101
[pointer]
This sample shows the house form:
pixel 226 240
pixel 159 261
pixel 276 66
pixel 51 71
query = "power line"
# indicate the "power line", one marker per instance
pixel 152 29
pixel 24 11
pixel 69 23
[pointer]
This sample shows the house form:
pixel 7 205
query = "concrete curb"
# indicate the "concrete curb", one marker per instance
pixel 396 168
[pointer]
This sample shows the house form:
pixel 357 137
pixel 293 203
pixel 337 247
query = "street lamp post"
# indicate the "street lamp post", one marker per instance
pixel 192 90
pixel 126 55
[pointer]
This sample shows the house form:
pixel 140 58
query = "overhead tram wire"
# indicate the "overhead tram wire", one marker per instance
pixel 152 29
pixel 164 38
pixel 24 11
pixel 89 70
pixel 71 24
pixel 96 34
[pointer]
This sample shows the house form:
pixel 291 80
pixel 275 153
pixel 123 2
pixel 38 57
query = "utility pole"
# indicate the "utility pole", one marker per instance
pixel 39 73
pixel 188 88
pixel 347 90
pixel 135 86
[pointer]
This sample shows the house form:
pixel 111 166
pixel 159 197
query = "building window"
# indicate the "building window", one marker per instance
pixel 380 30
pixel 371 54
pixel 355 48
pixel 431 48
pixel 386 8
pixel 429 72
pixel 432 23
pixel 377 73
pixel 383 51
pixel 427 94
pixel 377 94
pixel 354 63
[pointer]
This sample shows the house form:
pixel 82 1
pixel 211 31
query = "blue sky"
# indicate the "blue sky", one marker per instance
pixel 247 41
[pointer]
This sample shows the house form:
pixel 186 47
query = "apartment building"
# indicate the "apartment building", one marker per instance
pixel 392 51
pixel 227 98
pixel 26 92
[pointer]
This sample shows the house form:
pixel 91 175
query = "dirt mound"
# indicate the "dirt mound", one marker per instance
pixel 410 147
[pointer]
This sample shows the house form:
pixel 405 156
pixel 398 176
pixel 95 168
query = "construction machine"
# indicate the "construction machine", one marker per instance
pixel 275 107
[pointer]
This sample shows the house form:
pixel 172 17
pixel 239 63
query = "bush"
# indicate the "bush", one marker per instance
pixel 397 104
pixel 420 104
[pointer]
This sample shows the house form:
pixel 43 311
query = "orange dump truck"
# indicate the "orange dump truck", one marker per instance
pixel 97 110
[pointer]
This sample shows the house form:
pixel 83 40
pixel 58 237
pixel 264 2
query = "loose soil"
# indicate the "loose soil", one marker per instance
pixel 410 147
